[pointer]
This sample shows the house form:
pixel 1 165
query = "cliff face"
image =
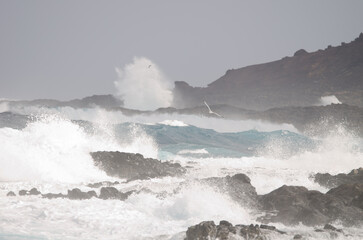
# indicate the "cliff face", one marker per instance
pixel 300 80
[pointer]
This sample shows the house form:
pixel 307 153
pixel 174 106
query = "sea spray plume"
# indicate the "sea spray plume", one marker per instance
pixel 143 86
pixel 50 149
pixel 328 100
pixel 338 150
pixel 4 107
pixel 141 142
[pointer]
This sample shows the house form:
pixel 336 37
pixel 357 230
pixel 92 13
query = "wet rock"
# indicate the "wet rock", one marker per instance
pixel 332 228
pixel 332 181
pixel 202 231
pixel 34 191
pixel 272 228
pixel 297 236
pixel 53 195
pixel 92 194
pixel 134 166
pixel 112 193
pixel 238 187
pixel 294 205
pixel 77 194
pixel 101 184
pixel 251 232
pixel 225 230
pixel 23 192
pixel 349 194
pixel 11 194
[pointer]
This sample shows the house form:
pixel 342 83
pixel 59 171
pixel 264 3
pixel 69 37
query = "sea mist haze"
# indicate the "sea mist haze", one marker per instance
pixel 272 150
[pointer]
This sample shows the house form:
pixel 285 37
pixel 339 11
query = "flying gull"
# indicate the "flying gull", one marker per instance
pixel 210 111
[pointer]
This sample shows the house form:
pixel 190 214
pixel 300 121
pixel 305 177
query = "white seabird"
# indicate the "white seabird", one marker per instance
pixel 210 111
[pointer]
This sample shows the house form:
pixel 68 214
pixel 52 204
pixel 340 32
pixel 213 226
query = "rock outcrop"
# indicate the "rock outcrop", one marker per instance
pixel 77 194
pixel 208 230
pixel 300 80
pixel 113 193
pixel 292 205
pixel 134 166
pixel 32 191
pixel 332 181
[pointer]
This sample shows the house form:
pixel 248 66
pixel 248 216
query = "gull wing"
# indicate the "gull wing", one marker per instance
pixel 207 106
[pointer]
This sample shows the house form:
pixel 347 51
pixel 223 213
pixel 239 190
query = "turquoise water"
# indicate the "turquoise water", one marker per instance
pixel 173 139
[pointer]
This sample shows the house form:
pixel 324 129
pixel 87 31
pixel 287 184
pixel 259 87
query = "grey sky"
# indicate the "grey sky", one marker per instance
pixel 69 49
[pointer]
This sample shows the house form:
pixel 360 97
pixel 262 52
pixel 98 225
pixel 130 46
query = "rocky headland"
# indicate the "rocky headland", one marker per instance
pixel 300 80
pixel 132 166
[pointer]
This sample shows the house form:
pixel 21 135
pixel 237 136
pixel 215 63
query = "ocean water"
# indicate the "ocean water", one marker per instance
pixel 49 149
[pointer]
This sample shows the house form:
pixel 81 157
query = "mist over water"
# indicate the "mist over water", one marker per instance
pixel 102 116
pixel 142 85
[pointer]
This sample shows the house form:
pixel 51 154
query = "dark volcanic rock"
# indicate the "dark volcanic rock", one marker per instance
pixel 77 194
pixel 332 228
pixel 298 236
pixel 250 232
pixel 292 81
pixel 331 181
pixel 101 184
pixel 23 192
pixel 202 231
pixel 112 193
pixel 293 205
pixel 34 191
pixel 224 229
pixel 208 230
pixel 134 166
pixel 11 194
pixel 349 194
pixel 54 195
pixel 238 187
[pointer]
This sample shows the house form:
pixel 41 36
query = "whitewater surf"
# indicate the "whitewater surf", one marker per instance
pixel 52 153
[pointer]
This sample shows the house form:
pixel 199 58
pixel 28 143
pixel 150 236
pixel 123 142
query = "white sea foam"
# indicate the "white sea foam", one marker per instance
pixel 4 107
pixel 55 149
pixel 141 216
pixel 174 123
pixel 337 153
pixel 194 151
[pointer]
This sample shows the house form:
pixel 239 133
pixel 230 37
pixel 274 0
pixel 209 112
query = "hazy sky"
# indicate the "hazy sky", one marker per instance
pixel 69 49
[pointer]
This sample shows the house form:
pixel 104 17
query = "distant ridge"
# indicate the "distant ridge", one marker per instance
pixel 104 101
pixel 300 80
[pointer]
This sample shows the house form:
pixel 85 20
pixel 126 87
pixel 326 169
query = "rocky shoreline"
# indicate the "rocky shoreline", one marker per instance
pixel 289 205
pixel 208 230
